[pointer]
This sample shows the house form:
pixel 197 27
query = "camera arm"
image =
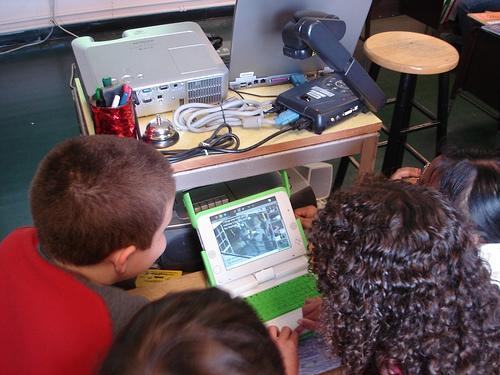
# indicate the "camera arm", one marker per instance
pixel 320 33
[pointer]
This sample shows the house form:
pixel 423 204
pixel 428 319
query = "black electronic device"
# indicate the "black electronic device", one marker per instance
pixel 326 101
pixel 316 32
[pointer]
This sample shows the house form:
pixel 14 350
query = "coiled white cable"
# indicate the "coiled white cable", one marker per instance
pixel 200 117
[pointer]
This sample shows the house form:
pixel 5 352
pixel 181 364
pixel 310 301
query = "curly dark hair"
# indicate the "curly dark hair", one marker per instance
pixel 403 283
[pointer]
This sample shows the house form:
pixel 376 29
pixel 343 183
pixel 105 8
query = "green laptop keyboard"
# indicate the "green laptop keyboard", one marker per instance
pixel 283 298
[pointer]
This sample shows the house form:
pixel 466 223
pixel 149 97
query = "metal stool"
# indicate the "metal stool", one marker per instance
pixel 411 54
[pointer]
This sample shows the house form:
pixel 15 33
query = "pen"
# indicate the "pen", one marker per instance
pixel 127 90
pixel 107 82
pixel 99 100
pixel 116 101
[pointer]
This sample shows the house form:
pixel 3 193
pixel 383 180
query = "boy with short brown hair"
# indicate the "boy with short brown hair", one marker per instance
pixel 100 206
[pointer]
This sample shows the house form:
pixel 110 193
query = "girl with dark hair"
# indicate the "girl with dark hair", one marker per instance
pixel 404 289
pixel 470 179
pixel 201 332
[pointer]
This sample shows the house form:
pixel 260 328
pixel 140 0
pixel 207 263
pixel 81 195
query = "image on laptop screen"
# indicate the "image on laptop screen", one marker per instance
pixel 250 232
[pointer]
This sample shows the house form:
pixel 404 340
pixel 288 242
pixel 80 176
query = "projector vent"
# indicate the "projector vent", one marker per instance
pixel 205 91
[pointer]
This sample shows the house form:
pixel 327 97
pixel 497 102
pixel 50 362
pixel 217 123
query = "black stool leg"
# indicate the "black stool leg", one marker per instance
pixel 374 70
pixel 442 111
pixel 341 172
pixel 344 162
pixel 393 157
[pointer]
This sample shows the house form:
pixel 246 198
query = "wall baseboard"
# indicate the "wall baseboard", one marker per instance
pixel 34 14
pixel 97 27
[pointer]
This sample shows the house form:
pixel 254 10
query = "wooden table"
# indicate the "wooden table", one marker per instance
pixel 357 135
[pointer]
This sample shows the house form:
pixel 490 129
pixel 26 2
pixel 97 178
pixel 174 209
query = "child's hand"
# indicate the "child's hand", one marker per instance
pixel 287 342
pixel 306 215
pixel 408 174
pixel 310 312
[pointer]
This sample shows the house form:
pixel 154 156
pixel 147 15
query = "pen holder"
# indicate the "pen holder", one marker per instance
pixel 120 121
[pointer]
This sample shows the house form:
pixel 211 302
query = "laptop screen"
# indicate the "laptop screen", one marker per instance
pixel 250 232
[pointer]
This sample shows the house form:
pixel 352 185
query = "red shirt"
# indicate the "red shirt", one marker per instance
pixel 50 323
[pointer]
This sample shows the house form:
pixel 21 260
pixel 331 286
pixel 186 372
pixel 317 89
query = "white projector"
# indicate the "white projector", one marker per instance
pixel 166 66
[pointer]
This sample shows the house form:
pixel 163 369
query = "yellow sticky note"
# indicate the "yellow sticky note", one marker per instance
pixel 153 276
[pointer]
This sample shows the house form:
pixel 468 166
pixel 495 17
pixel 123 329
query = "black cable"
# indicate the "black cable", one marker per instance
pixel 241 93
pixel 276 108
pixel 238 93
pixel 217 141
pixel 215 40
pixel 255 145
pixel 228 142
pixel 223 114
pixel 225 140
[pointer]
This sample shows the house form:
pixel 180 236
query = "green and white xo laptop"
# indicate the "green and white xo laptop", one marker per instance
pixel 256 249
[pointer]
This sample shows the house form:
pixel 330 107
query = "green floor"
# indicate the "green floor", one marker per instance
pixel 37 111
pixel 467 125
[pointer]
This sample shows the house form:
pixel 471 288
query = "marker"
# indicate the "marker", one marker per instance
pixel 99 100
pixel 116 101
pixel 127 90
pixel 106 82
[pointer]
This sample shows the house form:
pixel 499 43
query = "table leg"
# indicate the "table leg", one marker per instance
pixel 368 155
pixel 341 172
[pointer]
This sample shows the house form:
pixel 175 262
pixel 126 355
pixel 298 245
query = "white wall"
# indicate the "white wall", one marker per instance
pixel 19 15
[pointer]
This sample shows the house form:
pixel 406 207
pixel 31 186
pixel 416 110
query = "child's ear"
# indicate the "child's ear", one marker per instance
pixel 119 258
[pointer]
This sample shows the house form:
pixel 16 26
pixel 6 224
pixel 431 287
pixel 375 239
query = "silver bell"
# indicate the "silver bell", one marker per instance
pixel 160 133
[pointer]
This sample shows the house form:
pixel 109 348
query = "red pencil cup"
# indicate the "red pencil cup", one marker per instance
pixel 120 121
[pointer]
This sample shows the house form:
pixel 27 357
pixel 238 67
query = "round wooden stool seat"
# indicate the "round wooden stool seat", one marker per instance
pixel 411 53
